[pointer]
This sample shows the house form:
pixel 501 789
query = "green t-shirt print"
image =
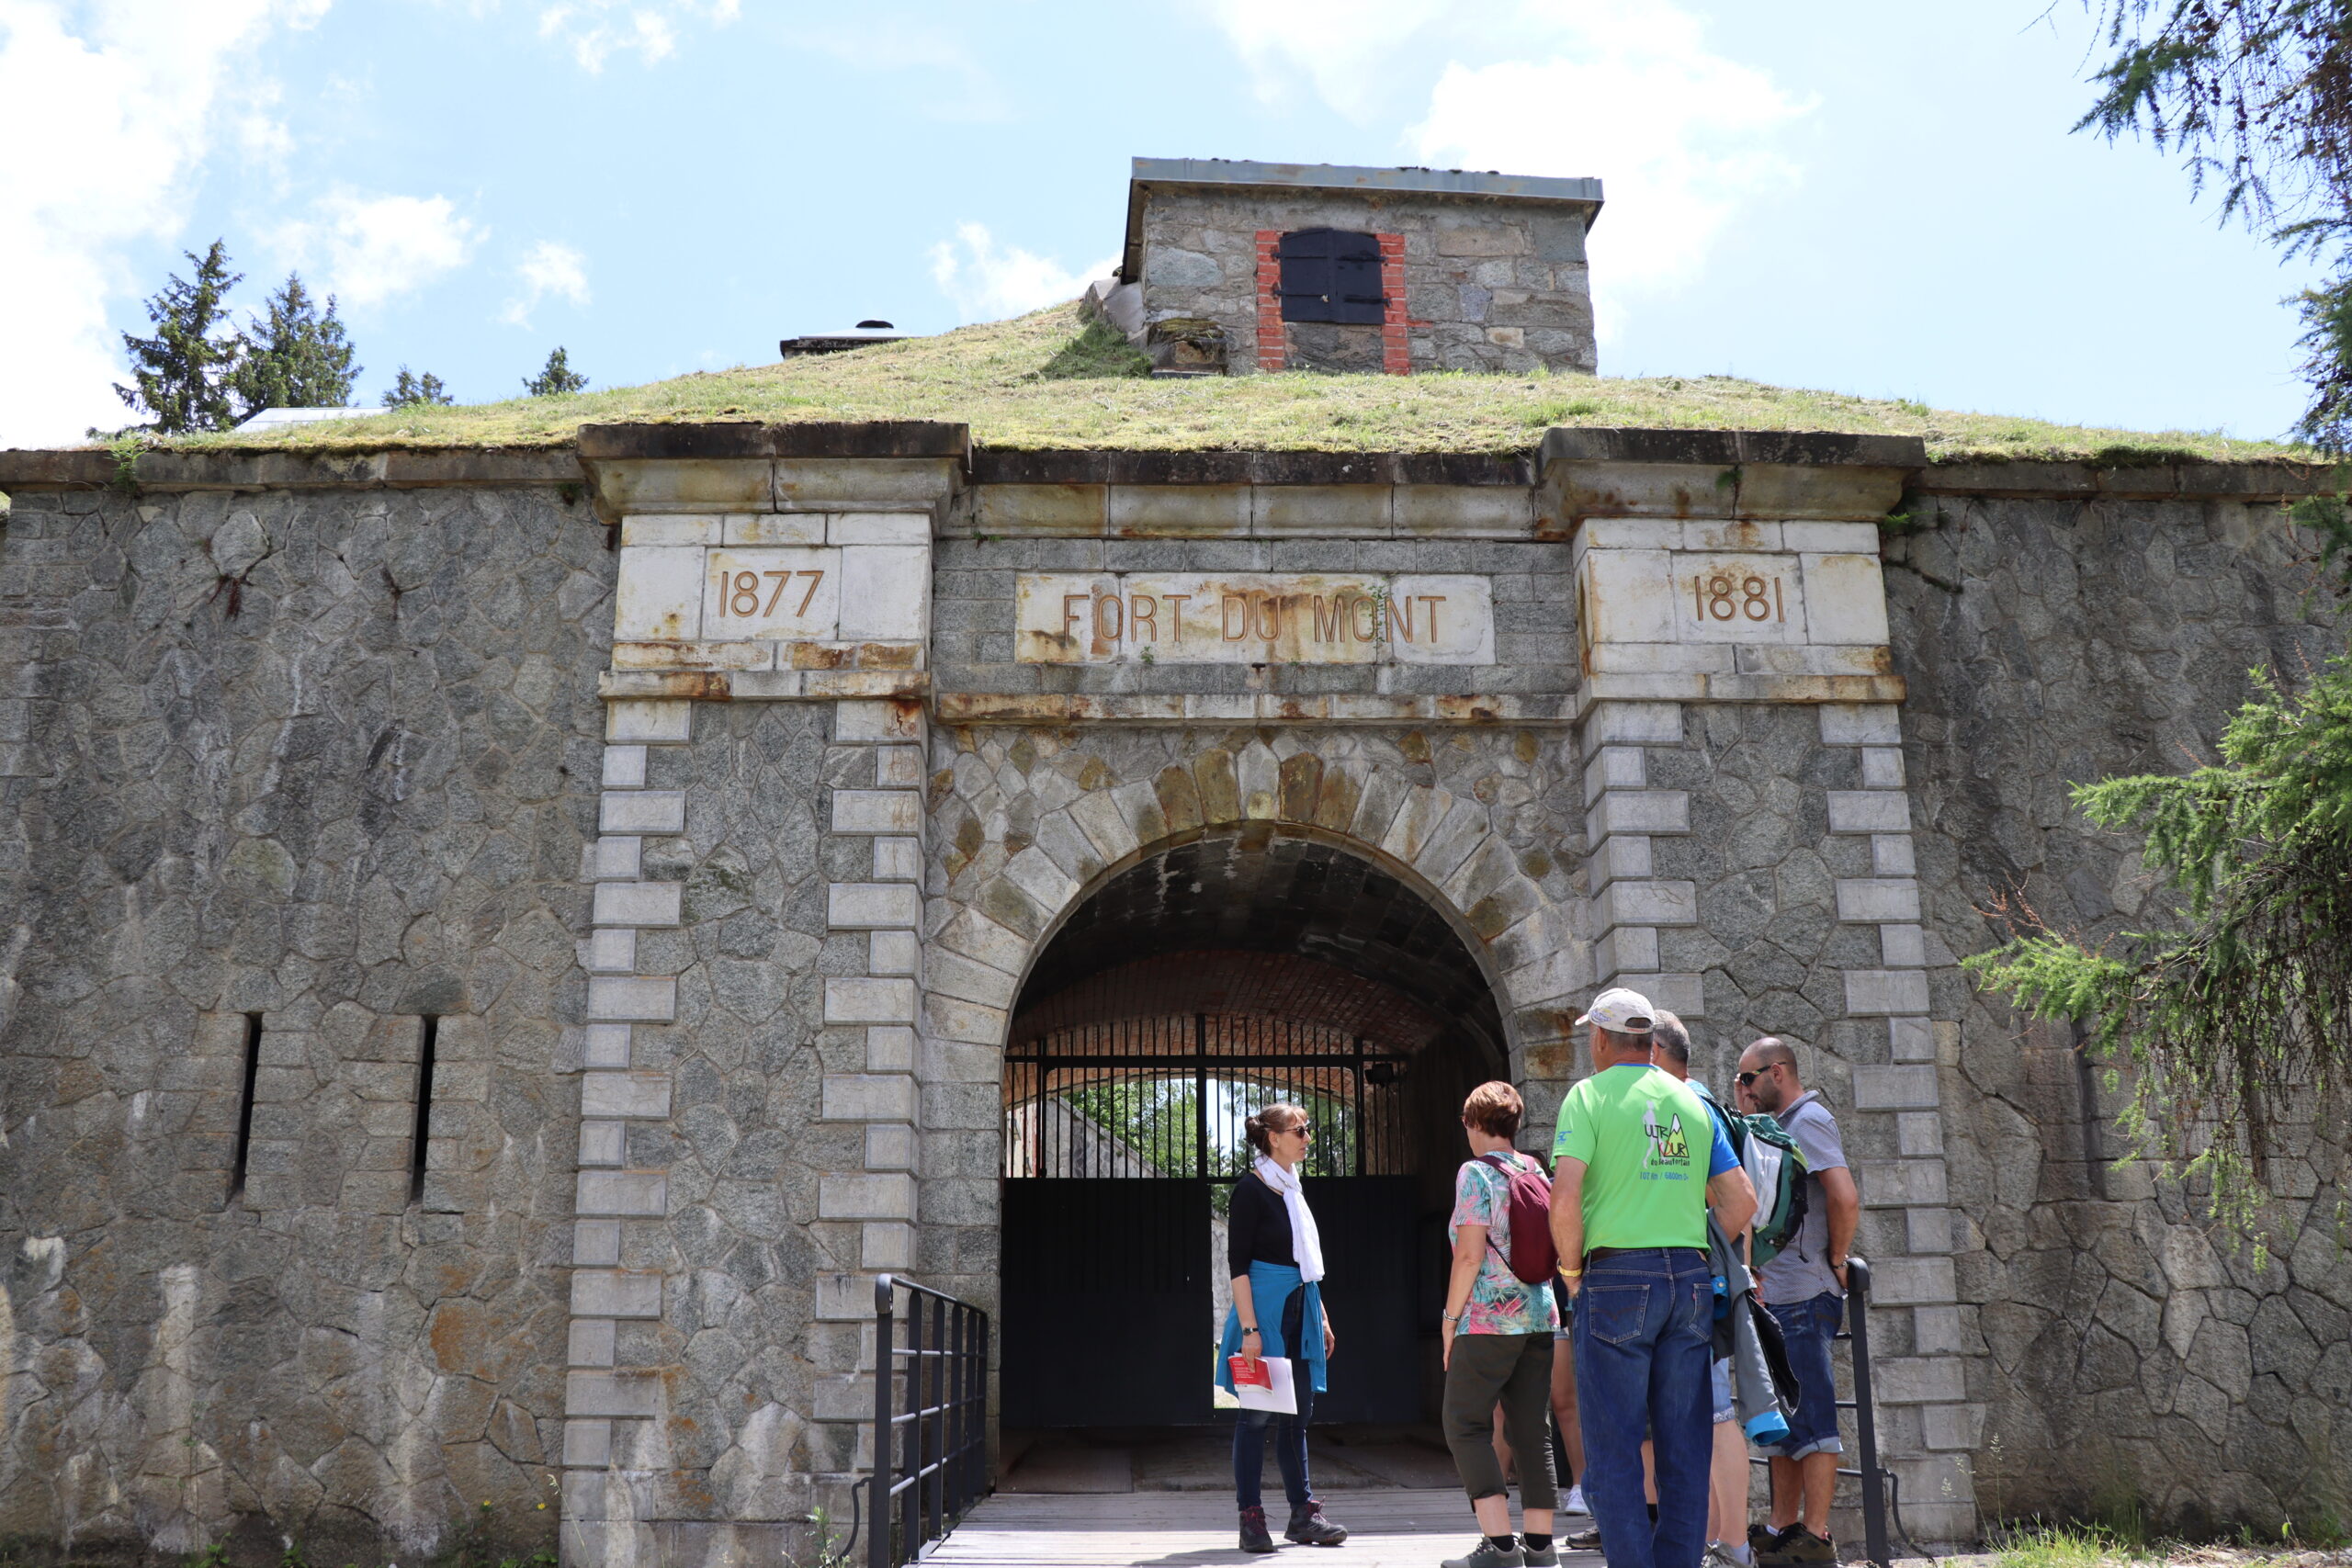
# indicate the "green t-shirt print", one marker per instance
pixel 1648 1147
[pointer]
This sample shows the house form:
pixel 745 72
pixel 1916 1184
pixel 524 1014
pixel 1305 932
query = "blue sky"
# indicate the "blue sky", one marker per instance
pixel 1873 199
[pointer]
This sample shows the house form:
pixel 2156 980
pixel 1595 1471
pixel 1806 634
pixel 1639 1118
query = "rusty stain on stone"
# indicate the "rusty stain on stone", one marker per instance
pixel 1220 790
pixel 1335 810
pixel 1301 784
pixel 1476 710
pixel 1180 802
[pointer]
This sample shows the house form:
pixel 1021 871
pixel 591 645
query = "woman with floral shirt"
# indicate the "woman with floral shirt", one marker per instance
pixel 1497 1339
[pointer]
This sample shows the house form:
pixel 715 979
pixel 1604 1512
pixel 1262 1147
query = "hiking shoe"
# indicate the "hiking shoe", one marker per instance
pixel 1803 1548
pixel 1542 1556
pixel 1254 1531
pixel 1574 1503
pixel 1484 1555
pixel 1310 1527
pixel 1765 1543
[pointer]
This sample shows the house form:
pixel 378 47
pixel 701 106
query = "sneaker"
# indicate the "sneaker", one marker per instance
pixel 1584 1540
pixel 1484 1555
pixel 1541 1557
pixel 1804 1548
pixel 1310 1527
pixel 1764 1544
pixel 1574 1503
pixel 1723 1554
pixel 1254 1531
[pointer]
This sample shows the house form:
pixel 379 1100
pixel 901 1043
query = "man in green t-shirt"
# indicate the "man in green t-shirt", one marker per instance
pixel 1638 1161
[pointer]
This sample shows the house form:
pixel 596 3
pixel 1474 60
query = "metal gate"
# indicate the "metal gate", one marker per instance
pixel 1122 1141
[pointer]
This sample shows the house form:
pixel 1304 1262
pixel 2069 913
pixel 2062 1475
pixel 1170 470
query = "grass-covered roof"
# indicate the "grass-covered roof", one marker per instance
pixel 1009 381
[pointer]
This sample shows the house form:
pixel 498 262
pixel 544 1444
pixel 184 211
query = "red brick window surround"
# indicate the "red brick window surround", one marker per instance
pixel 1396 348
pixel 1273 348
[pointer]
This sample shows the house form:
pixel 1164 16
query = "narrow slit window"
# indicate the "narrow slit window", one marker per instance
pixel 245 1106
pixel 431 1033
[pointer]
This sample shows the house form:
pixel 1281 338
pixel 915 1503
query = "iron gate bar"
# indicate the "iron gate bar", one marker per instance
pixel 1361 1139
pixel 930 1458
pixel 1201 1092
pixel 1086 1089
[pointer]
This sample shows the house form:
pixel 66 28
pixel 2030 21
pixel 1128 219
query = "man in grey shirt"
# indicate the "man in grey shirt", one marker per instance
pixel 1805 1290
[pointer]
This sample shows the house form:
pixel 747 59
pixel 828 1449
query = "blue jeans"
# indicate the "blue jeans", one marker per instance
pixel 1289 1444
pixel 1645 1327
pixel 1808 1327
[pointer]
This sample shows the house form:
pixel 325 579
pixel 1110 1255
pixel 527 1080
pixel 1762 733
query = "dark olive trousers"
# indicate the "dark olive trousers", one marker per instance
pixel 1515 1368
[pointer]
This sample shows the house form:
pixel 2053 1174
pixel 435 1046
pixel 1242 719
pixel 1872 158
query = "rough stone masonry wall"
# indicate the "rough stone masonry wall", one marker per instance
pixel 331 761
pixel 1489 285
pixel 2121 1354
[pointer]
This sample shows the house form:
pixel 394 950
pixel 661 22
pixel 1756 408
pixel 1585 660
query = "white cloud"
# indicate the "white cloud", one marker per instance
pixel 110 108
pixel 547 269
pixel 1347 49
pixel 1625 90
pixel 988 282
pixel 376 247
pixel 598 29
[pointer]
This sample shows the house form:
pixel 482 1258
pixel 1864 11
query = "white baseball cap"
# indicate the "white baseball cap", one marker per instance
pixel 1627 1012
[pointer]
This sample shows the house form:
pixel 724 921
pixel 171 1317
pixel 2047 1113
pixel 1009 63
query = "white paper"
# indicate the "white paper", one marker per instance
pixel 1281 1399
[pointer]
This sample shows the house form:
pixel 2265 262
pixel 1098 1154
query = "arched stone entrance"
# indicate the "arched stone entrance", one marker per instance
pixel 1217 971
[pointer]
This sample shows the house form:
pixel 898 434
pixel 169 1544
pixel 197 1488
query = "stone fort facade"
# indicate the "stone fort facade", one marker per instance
pixel 498 950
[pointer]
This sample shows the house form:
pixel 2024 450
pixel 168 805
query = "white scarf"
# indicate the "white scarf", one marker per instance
pixel 1306 1242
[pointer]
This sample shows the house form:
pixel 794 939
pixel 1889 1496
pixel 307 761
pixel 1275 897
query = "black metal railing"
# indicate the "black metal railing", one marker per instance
pixel 930 1418
pixel 1882 1502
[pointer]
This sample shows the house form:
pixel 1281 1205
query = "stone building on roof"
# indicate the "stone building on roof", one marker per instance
pixel 1242 266
pixel 500 948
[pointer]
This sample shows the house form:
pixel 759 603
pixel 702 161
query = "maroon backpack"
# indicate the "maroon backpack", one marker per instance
pixel 1533 1257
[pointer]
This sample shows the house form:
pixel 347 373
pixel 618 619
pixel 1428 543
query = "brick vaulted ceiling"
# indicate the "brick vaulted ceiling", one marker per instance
pixel 1360 952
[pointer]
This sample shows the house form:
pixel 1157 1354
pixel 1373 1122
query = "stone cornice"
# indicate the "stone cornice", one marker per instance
pixel 93 469
pixel 1586 471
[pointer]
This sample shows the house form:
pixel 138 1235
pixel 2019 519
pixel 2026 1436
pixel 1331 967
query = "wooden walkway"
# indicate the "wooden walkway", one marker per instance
pixel 1396 1528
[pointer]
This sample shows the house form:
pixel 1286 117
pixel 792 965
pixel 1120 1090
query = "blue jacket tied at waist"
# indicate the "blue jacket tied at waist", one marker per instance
pixel 1271 1285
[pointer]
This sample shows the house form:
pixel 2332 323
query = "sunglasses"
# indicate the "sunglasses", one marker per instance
pixel 1751 1076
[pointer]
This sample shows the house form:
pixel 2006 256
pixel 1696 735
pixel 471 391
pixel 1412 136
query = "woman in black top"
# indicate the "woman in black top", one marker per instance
pixel 1276 1259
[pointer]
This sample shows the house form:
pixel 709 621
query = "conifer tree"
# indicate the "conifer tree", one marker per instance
pixel 2257 97
pixel 409 391
pixel 557 378
pixel 182 374
pixel 302 359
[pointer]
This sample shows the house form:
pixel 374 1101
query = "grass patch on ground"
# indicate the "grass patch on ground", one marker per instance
pixel 1040 382
pixel 2096 1545
pixel 2067 1546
